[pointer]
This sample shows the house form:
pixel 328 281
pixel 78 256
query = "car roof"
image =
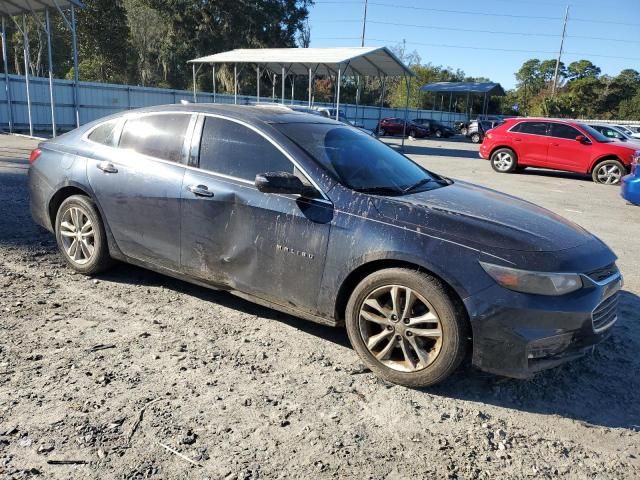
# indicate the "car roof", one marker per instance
pixel 247 113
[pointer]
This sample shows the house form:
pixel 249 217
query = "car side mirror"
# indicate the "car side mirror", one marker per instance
pixel 283 183
pixel 581 139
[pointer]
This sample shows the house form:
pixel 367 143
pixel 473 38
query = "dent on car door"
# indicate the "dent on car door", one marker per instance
pixel 137 186
pixel 271 246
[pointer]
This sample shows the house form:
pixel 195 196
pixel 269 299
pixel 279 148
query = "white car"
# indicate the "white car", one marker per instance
pixel 628 131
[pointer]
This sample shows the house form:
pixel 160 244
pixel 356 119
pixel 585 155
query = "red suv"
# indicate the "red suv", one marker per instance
pixel 558 145
pixel 395 126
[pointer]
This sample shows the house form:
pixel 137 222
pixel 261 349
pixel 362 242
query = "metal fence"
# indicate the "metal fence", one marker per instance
pixel 97 100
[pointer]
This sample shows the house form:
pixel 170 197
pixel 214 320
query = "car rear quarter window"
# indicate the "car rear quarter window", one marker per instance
pixel 233 149
pixel 105 133
pixel 532 128
pixel 160 136
pixel 561 130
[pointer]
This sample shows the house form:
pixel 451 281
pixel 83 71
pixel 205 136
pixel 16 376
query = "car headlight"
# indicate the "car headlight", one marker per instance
pixel 539 283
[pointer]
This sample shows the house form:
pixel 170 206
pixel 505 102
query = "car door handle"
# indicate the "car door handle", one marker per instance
pixel 517 139
pixel 555 144
pixel 200 190
pixel 107 167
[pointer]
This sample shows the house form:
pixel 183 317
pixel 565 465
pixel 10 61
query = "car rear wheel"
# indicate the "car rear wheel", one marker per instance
pixel 438 133
pixel 475 137
pixel 504 160
pixel 609 172
pixel 81 236
pixel 405 327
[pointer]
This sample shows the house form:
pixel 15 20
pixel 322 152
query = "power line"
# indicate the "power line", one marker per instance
pixel 475 13
pixel 469 30
pixel 473 47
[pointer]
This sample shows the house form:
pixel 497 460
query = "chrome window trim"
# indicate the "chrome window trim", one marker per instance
pixel 118 131
pixel 272 142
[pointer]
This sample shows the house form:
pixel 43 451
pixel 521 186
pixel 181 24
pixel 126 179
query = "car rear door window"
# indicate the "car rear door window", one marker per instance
pixel 532 128
pixel 160 136
pixel 105 133
pixel 561 130
pixel 233 149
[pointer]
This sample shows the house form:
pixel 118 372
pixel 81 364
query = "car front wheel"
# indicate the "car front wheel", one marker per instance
pixel 438 133
pixel 81 236
pixel 609 172
pixel 504 160
pixel 405 327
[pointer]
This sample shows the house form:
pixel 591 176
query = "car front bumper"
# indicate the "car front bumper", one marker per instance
pixel 631 187
pixel 517 335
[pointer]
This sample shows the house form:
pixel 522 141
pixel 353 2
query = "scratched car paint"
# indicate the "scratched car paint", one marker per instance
pixel 314 218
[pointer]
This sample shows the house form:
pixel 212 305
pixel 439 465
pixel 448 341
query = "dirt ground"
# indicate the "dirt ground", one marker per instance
pixel 134 375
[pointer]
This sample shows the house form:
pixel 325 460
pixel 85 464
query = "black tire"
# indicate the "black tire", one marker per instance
pixel 463 131
pixel 438 133
pixel 608 172
pixel 454 331
pixel 98 259
pixel 383 132
pixel 475 137
pixel 504 160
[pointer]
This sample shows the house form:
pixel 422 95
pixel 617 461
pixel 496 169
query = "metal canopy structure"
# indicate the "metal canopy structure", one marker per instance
pixel 336 62
pixel 486 89
pixel 14 8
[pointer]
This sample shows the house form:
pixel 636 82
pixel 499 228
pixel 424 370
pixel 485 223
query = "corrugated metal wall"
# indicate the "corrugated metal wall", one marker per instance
pixel 99 99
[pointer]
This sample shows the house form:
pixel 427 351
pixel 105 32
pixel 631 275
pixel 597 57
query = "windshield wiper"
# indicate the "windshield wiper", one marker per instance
pixel 424 181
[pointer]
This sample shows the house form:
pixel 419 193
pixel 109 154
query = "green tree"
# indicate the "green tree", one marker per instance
pixel 582 69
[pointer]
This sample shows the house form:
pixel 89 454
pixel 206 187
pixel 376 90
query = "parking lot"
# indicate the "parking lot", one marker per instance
pixel 106 373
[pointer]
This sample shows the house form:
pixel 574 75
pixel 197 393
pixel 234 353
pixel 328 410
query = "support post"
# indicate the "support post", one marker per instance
pixel 273 87
pixel 258 84
pixel 25 37
pixel 50 64
pixel 406 110
pixel 450 100
pixel 283 80
pixel 235 83
pixel 195 97
pixel 74 46
pixel 213 76
pixel 338 93
pixel 384 81
pixel 468 108
pixel 293 86
pixel 310 81
pixel 7 85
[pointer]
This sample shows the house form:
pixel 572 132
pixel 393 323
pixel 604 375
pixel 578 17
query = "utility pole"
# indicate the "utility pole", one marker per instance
pixel 564 31
pixel 364 23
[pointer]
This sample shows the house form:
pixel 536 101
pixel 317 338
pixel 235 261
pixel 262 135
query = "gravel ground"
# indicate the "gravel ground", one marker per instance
pixel 134 375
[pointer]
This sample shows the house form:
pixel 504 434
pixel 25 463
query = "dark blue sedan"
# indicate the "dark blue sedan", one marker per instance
pixel 318 219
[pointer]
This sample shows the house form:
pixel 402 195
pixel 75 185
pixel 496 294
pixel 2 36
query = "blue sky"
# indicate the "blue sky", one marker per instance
pixel 441 33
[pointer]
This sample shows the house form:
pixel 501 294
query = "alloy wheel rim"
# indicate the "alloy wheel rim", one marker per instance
pixel 400 328
pixel 503 161
pixel 609 174
pixel 77 235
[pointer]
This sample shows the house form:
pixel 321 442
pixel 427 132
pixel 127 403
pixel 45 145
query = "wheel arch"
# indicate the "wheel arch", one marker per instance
pixel 500 146
pixel 61 195
pixel 604 158
pixel 366 269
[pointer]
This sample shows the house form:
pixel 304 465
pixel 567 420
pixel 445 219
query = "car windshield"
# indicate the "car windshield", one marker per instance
pixel 358 161
pixel 595 134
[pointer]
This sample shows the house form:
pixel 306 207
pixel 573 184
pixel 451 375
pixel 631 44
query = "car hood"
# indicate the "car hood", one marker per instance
pixel 471 214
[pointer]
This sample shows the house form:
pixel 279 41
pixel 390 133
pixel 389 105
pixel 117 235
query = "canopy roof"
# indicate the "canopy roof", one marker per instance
pixel 464 87
pixel 18 7
pixel 367 61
